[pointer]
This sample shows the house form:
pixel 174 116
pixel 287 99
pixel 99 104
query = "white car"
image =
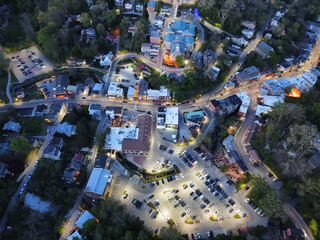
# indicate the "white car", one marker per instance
pixel 188 209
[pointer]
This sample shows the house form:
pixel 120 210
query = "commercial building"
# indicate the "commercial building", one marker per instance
pixel 225 106
pixel 97 90
pixel 248 74
pixel 271 101
pixel 271 87
pixel 72 89
pixel 172 117
pixel 99 181
pixel 161 118
pixel 114 91
pixel 132 93
pixel 194 118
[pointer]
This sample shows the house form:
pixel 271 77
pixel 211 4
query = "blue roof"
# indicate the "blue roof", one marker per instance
pixel 194 114
pixel 168 38
pixel 179 45
pixel 188 28
pixel 189 39
pixel 152 4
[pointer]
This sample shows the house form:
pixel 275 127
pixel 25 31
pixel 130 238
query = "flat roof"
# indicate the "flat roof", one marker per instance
pixel 172 116
pixel 262 109
pixel 97 87
pixel 83 218
pixel 272 100
pixel 245 99
pixel 117 134
pixel 98 180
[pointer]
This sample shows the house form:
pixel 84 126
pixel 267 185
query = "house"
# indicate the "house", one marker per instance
pixel 101 161
pixel 3 170
pixel 225 106
pixel 84 218
pixel 73 169
pixel 20 94
pixel 72 89
pixel 95 110
pixel 248 24
pixel 240 41
pixel 253 129
pixel 118 2
pixel 248 74
pixel 263 49
pixel 57 142
pixel 248 33
pixel 143 88
pixel 5 148
pixel 57 110
pixel 155 38
pixel 262 109
pixel 145 47
pixel 151 7
pixel 83 90
pixel 165 10
pixel 139 7
pixel 128 6
pixel 254 157
pixel 114 91
pixel 106 59
pixel 213 73
pixel 12 127
pixel 88 34
pixel 172 117
pixel 159 21
pixel 52 152
pixel 245 102
pixel 76 62
pixel 66 129
pixel 42 109
pixel 230 86
pixel 79 158
pixel 97 89
pixel 75 235
pixel 199 60
pixel 33 141
pixel 161 118
pixel 60 86
pixel 132 93
pixel 25 112
pixel 194 118
pixel 152 95
pixel 99 181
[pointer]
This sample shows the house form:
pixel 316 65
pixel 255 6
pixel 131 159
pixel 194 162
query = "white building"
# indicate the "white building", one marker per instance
pixel 245 99
pixel 262 109
pixel 172 117
pixel 271 101
pixel 106 59
pixel 114 91
pixel 153 95
pixel 115 138
pixel 272 87
pixel 99 181
pixel 248 33
pixel 97 89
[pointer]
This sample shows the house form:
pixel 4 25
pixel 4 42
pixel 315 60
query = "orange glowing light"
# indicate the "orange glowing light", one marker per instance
pixel 295 93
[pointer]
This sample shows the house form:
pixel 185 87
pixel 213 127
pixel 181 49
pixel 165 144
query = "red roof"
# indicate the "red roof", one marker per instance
pixel 78 157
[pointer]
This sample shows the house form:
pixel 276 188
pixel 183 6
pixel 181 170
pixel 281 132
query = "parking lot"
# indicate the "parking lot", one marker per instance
pixel 46 87
pixel 126 75
pixel 196 195
pixel 28 63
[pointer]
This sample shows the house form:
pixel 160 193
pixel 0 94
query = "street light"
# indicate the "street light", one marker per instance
pixel 186 61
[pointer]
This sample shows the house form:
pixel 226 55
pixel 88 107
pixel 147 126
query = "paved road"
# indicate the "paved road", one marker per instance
pixel 8 87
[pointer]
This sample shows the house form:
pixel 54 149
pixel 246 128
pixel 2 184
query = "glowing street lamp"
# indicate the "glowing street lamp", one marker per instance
pixel 186 61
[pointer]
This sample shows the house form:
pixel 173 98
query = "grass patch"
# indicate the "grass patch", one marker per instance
pixel 36 126
pixel 3 89
pixel 13 78
pixel 32 93
pixel 214 218
pixel 237 216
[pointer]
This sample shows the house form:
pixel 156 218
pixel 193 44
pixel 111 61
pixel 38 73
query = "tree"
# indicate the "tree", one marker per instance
pixel 4 64
pixel 86 20
pixel 21 145
pixel 273 59
pixel 101 29
pixel 170 233
pixel 180 60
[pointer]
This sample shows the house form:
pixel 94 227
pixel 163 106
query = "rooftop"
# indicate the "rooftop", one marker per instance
pixel 98 181
pixel 117 134
pixel 172 116
pixel 83 218
pixel 67 129
pixel 245 99
pixel 114 89
pixel 272 100
pixel 264 47
pixel 12 126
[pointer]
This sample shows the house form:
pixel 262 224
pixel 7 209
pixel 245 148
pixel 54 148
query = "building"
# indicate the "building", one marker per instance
pixel 5 148
pixel 194 118
pixel 263 49
pixel 225 106
pixel 60 86
pixel 52 152
pixel 139 7
pixel 159 21
pixel 164 94
pixel 57 110
pixel 75 235
pixel 143 88
pixel 79 158
pixel 88 34
pixel 3 170
pixel 106 59
pixel 101 161
pixel 248 74
pixel 83 219
pixel 161 118
pixel 76 62
pixel 132 93
pixel 248 24
pixel 95 110
pixel 99 181
pixel 152 95
pixel 213 73
pixel 118 2
pixel 172 117
pixel 66 129
pixel 248 33
pixel 42 109
pixel 114 91
pixel 83 90
pixel 254 157
pixel 97 89
pixel 73 170
pixel 145 47
pixel 72 89
pixel 262 109
pixel 253 129
pixel 314 160
pixel 151 7
pixel 128 6
pixel 271 101
pixel 271 87
pixel 155 38
pixel 245 102
pixel 12 127
pixel 57 142
pixel 114 112
pixel 25 112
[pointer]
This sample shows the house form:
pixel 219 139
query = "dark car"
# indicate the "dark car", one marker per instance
pixel 202 206
pixel 191 193
pixel 196 197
